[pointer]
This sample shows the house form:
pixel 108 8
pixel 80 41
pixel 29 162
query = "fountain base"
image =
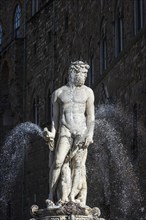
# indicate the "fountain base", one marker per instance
pixel 67 217
pixel 65 211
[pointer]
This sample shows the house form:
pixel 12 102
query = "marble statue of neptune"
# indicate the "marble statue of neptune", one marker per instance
pixel 72 132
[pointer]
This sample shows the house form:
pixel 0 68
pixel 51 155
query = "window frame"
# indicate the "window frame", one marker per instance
pixel 36 110
pixel 90 75
pixel 119 31
pixel 34 7
pixel 103 55
pixel 17 19
pixel 138 15
pixel 1 34
pixel 48 107
pixel 103 48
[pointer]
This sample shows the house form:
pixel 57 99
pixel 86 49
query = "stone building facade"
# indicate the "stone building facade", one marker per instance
pixel 38 40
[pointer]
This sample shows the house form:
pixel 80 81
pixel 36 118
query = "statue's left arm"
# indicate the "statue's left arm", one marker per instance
pixel 90 117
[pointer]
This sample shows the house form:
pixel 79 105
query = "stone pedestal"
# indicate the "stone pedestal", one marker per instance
pixel 66 217
pixel 65 211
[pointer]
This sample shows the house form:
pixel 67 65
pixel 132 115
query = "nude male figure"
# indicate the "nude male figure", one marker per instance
pixel 73 115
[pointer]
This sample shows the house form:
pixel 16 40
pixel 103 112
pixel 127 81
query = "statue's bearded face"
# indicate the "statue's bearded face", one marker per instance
pixel 78 77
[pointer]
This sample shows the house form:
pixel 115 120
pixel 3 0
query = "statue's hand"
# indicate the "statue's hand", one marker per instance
pixel 47 134
pixel 88 141
pixel 49 138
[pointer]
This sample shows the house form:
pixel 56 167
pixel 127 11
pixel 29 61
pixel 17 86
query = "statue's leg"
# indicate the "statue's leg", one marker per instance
pixel 82 195
pixel 65 182
pixel 78 170
pixel 62 150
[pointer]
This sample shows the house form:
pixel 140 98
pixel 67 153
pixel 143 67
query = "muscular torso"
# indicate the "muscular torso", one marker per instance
pixel 72 102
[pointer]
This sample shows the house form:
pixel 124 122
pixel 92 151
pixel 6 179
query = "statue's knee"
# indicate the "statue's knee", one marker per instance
pixel 58 164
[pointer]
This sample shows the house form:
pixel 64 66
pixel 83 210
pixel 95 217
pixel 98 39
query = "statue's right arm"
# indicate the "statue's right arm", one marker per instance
pixel 55 113
pixel 49 136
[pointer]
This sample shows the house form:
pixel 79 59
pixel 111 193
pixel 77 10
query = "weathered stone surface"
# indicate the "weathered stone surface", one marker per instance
pixel 68 210
pixel 63 217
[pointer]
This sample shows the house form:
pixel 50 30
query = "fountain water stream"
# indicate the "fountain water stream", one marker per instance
pixel 111 158
pixel 12 157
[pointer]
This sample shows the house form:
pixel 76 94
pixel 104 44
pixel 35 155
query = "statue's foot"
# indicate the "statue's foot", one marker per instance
pixel 72 199
pixel 49 203
pixel 61 202
pixel 77 201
